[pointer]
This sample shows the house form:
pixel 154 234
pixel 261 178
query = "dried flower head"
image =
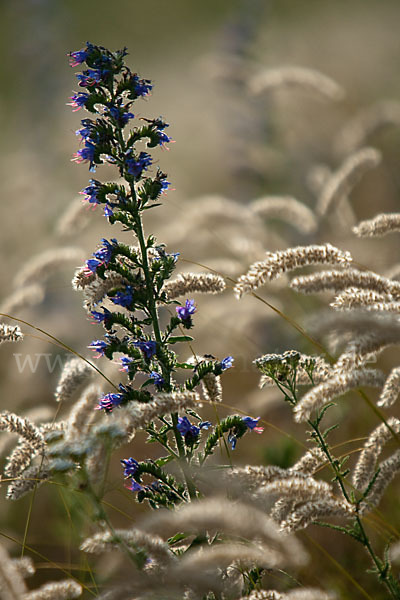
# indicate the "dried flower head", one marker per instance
pixel 346 177
pixel 305 79
pixel 282 261
pixel 378 226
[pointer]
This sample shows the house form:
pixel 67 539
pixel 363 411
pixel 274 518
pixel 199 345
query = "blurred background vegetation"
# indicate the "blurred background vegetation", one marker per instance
pixel 227 144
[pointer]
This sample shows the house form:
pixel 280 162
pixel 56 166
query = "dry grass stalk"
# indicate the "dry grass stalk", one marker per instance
pixel 19 459
pixel 357 298
pixel 12 585
pixel 73 376
pixel 345 178
pixel 282 261
pixel 366 123
pixel 40 267
pixel 305 79
pixel 391 389
pixel 24 428
pixel 286 209
pixel 135 538
pixel 341 383
pixel 304 515
pixel 24 565
pixel 388 469
pixel 337 281
pixel 21 298
pixel 82 414
pixel 75 218
pixel 140 414
pixel 58 590
pixel 190 283
pixel 227 517
pixel 366 464
pixel 379 226
pixel 27 481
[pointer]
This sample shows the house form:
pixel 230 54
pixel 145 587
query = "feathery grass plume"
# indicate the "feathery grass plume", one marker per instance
pixel 391 389
pixel 74 220
pixel 141 414
pixel 24 566
pixel 41 266
pixel 82 415
pixel 304 515
pixel 24 428
pixel 296 594
pixel 388 469
pixel 297 488
pixel 309 462
pixel 10 333
pixel 105 541
pixel 394 552
pixel 303 78
pixel 221 515
pixel 212 387
pixel 282 261
pixel 393 272
pixel 337 281
pixel 379 226
pixel 211 384
pixel 201 569
pixel 97 290
pixel 32 477
pixel 83 278
pixel 345 178
pixel 366 464
pixel 67 589
pixel 338 385
pixel 12 585
pixel 21 298
pixel 73 377
pixel 189 283
pixel 354 297
pixel 19 459
pixel 286 209
pixel 366 123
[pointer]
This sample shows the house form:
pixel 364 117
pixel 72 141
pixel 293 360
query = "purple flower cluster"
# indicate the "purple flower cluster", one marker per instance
pixel 185 313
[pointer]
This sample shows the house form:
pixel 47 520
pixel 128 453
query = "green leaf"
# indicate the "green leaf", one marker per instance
pixel 179 338
pixel 184 366
pixel 178 537
pixel 160 462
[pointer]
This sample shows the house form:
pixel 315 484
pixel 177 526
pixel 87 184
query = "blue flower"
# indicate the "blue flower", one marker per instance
pixel 190 431
pixel 78 101
pixel 131 466
pixel 77 57
pixel 186 428
pixel 109 401
pixel 98 346
pixel 185 313
pixel 108 212
pixel 86 154
pixel 232 440
pixel 92 264
pixel 142 87
pixel 135 486
pixel 226 363
pixel 125 362
pixel 90 77
pixel 124 298
pixel 119 115
pixel 103 317
pixel 136 167
pixel 148 347
pixel 91 191
pixel 158 380
pixel 163 138
pixel 252 424
pixel 105 252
